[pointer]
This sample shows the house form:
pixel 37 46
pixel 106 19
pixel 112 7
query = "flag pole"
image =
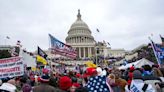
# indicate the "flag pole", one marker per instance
pixel 50 51
pixel 154 51
pixel 96 56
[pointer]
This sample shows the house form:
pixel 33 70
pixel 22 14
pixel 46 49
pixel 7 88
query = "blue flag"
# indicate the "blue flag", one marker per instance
pixel 159 52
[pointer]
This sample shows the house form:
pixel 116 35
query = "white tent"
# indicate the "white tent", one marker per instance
pixel 137 64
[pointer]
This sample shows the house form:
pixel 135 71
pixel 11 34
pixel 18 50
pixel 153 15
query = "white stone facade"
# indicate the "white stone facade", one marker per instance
pixel 114 52
pixel 80 38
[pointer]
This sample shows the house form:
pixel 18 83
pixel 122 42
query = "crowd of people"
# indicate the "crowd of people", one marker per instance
pixel 91 79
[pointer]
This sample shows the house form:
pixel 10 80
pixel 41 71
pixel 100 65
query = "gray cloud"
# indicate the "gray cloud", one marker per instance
pixel 124 23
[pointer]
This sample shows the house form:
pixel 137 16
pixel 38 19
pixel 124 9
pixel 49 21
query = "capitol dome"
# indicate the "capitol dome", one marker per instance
pixel 79 32
pixel 79 37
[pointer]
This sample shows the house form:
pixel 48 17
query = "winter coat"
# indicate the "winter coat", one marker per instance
pixel 137 85
pixel 45 88
pixel 7 87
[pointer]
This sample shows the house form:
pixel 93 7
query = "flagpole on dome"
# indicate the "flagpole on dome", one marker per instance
pixel 152 45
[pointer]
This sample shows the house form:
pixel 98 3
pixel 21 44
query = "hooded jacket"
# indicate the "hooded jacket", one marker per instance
pixel 8 87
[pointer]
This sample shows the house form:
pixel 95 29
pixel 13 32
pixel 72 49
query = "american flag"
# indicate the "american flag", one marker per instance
pixel 97 84
pixel 58 47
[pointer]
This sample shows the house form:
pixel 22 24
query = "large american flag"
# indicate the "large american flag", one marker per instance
pixel 98 84
pixel 58 47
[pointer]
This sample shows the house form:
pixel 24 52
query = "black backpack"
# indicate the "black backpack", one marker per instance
pixel 143 88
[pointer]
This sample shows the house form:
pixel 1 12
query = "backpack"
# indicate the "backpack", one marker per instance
pixel 143 88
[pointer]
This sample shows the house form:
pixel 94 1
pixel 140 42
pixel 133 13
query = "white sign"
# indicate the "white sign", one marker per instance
pixel 11 67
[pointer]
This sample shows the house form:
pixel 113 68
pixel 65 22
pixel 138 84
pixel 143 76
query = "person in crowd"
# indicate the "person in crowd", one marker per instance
pixel 53 80
pixel 0 82
pixel 79 78
pixel 81 89
pixel 157 72
pixel 130 74
pixel 138 85
pixel 148 74
pixel 18 83
pixel 26 87
pixel 162 71
pixel 8 86
pixel 44 86
pixel 74 87
pixel 117 83
pixel 98 82
pixel 65 83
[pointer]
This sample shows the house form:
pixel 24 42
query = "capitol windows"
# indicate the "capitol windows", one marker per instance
pixel 86 52
pixel 80 39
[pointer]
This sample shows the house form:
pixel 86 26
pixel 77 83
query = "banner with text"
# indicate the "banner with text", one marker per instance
pixel 11 67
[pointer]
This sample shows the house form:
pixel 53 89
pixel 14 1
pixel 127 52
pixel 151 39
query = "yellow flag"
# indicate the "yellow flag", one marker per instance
pixel 41 59
pixel 90 64
pixel 33 69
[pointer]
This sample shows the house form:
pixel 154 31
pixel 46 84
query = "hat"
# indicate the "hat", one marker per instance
pixel 44 78
pixel 78 75
pixel 132 68
pixel 45 71
pixel 137 74
pixel 65 83
pixel 8 87
pixel 90 71
pixel 77 85
pixel 104 72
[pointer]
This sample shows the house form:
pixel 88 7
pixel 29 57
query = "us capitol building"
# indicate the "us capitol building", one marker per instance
pixel 81 39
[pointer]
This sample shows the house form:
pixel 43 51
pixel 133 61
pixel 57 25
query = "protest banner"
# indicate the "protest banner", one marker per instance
pixel 11 67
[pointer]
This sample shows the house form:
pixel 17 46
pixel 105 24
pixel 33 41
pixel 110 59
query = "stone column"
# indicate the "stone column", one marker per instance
pixel 79 52
pixel 88 52
pixel 84 51
pixel 76 40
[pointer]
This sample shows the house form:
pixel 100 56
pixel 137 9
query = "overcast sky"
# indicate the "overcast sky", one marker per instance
pixel 123 23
